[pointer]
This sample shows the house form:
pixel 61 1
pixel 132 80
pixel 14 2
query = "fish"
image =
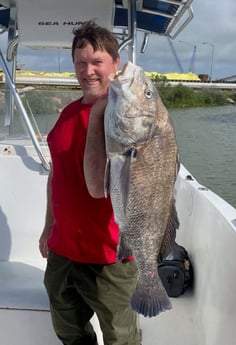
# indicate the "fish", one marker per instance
pixel 141 170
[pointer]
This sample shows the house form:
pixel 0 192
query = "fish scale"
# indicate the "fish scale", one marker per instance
pixel 142 160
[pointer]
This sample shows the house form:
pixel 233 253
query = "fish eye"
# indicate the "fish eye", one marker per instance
pixel 148 93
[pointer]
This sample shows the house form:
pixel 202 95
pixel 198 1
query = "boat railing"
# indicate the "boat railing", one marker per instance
pixel 23 113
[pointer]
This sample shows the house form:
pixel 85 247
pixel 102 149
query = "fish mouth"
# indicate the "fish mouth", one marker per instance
pixel 124 79
pixel 127 73
pixel 126 68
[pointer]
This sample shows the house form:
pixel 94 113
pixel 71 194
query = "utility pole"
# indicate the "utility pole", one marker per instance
pixel 212 58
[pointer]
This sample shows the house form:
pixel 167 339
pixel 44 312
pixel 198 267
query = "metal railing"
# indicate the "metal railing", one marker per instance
pixel 23 113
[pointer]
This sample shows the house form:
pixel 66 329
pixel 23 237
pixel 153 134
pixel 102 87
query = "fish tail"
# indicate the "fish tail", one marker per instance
pixel 150 300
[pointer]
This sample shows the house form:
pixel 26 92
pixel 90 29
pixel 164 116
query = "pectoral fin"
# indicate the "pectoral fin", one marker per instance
pixel 121 166
pixel 107 178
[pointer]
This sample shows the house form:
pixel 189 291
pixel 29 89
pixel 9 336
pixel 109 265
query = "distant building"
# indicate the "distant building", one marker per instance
pixel 204 77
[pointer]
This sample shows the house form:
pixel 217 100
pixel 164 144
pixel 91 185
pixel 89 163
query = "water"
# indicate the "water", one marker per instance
pixel 206 138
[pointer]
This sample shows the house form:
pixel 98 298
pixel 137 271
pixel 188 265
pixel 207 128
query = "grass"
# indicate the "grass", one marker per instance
pixel 181 96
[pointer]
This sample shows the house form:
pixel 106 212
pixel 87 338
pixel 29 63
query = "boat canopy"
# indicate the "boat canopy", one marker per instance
pixel 160 17
pixel 49 23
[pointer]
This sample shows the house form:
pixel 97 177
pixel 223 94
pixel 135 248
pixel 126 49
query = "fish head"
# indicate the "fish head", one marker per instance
pixel 132 108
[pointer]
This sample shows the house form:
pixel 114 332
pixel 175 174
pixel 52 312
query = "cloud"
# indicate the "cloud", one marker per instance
pixel 215 24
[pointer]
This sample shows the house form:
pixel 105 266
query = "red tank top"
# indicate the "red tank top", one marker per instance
pixel 84 228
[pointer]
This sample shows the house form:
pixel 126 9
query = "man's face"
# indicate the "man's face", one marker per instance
pixel 92 70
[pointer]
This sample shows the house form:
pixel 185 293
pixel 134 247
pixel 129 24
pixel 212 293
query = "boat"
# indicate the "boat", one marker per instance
pixel 204 314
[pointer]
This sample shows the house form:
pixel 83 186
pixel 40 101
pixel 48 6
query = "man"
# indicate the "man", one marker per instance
pixel 80 236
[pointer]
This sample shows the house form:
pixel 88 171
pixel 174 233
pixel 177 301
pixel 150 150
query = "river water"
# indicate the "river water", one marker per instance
pixel 206 139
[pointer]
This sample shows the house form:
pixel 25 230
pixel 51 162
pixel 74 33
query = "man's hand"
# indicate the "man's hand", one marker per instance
pixel 43 245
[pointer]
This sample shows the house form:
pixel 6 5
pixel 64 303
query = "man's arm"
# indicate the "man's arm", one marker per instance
pixel 95 153
pixel 43 247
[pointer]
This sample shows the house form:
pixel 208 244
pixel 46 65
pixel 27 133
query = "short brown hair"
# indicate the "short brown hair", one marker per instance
pixel 100 38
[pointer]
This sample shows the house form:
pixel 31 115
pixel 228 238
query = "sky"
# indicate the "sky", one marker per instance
pixel 212 23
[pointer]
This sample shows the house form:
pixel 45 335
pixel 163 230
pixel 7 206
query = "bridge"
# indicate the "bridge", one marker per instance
pixel 72 82
pixel 228 83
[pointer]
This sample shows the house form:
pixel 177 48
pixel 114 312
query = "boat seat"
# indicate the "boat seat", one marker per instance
pixel 22 287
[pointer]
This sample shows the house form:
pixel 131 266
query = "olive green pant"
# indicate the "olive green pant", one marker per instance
pixel 77 290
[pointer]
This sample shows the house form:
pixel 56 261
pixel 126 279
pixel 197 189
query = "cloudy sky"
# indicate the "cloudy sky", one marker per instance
pixel 212 23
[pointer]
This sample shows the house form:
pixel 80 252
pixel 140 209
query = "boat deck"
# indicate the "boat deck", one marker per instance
pixel 172 327
pixel 22 287
pixel 22 293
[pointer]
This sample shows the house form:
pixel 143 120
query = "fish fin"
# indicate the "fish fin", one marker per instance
pixel 150 300
pixel 124 250
pixel 107 178
pixel 130 156
pixel 125 180
pixel 120 170
pixel 170 233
